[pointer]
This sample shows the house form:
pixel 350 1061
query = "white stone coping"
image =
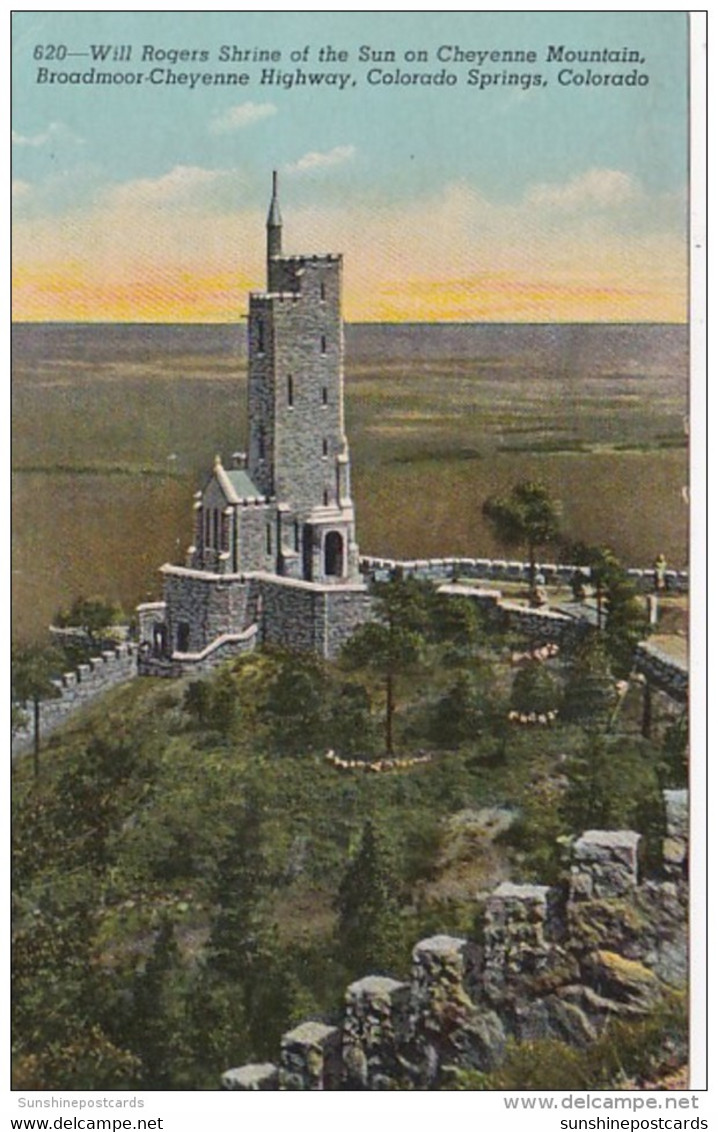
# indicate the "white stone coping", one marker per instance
pixel 597 839
pixel 526 610
pixel 373 985
pixel 217 643
pixel 460 589
pixel 655 652
pixel 248 1077
pixel 150 606
pixel 260 575
pixel 507 890
pixel 440 945
pixel 309 1033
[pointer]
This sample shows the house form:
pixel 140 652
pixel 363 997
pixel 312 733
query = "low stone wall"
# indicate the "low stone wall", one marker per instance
pixel 78 688
pixel 552 962
pixel 663 671
pixel 503 570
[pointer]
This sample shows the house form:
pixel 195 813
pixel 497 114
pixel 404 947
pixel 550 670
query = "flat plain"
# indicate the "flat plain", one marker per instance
pixel 115 427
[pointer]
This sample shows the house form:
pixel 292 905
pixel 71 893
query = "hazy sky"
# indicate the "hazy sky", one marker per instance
pixel 147 201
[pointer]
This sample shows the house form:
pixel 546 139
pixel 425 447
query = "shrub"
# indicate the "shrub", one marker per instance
pixel 534 689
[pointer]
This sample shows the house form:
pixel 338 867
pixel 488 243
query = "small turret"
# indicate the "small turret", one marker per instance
pixel 274 228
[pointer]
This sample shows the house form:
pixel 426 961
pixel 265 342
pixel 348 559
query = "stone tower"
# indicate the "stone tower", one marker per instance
pixel 274 558
pixel 298 451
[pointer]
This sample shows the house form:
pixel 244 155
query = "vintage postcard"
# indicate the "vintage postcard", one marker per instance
pixel 351 560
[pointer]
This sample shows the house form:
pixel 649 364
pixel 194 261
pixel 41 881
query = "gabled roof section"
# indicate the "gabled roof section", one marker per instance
pixel 236 484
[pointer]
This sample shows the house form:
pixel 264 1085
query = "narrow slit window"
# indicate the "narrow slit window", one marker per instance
pixel 269 539
pixel 325 448
pixel 322 291
pixel 325 395
pixel 324 343
pixel 290 391
pixel 326 498
pixel 260 335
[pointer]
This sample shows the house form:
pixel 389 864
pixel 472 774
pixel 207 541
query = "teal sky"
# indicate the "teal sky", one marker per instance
pixel 381 147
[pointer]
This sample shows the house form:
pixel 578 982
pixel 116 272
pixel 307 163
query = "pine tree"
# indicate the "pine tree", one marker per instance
pixel 243 952
pixel 590 694
pixel 527 516
pixel 369 929
pixel 392 644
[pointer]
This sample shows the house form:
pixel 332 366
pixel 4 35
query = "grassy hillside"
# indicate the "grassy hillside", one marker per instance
pixel 185 868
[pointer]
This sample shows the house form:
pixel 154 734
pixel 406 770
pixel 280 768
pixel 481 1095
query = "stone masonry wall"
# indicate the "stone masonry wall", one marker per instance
pixel 555 963
pixel 77 689
pixel 305 616
pixel 502 570
pixel 663 671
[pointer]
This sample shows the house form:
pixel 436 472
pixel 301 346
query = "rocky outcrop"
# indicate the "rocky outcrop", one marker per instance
pixel 550 962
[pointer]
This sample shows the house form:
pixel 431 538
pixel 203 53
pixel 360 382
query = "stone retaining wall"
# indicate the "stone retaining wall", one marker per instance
pixel 78 688
pixel 555 963
pixel 665 672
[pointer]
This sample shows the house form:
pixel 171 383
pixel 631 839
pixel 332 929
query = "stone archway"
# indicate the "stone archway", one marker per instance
pixel 333 555
pixel 159 639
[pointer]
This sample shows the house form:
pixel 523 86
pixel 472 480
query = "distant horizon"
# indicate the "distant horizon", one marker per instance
pixel 353 322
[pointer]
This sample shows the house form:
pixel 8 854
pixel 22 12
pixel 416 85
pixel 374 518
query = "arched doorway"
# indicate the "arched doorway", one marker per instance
pixel 333 555
pixel 159 638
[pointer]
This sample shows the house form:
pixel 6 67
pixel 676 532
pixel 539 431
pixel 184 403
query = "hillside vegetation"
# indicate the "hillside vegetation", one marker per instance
pixel 192 875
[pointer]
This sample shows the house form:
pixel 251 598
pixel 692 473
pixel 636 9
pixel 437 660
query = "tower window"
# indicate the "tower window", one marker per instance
pixel 269 539
pixel 290 390
pixel 326 498
pixel 215 528
pixel 325 448
pixel 324 343
pixel 325 395
pixel 260 442
pixel 260 335
pixel 296 536
pixel 322 291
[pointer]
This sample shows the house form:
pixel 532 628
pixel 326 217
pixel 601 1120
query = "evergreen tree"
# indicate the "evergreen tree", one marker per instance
pixel 620 613
pixel 392 645
pixel 157 1021
pixel 295 704
pixel 93 615
pixel 460 714
pixel 243 948
pixel 626 622
pixel 34 668
pixel 534 689
pixel 614 784
pixel 527 516
pixel 350 728
pixel 369 930
pixel 590 693
pixel 197 702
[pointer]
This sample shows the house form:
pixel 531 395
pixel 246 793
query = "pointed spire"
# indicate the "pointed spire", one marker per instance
pixel 274 219
pixel 274 234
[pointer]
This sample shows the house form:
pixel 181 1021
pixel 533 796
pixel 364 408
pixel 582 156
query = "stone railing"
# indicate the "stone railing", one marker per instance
pixel 549 962
pixel 502 570
pixel 76 689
